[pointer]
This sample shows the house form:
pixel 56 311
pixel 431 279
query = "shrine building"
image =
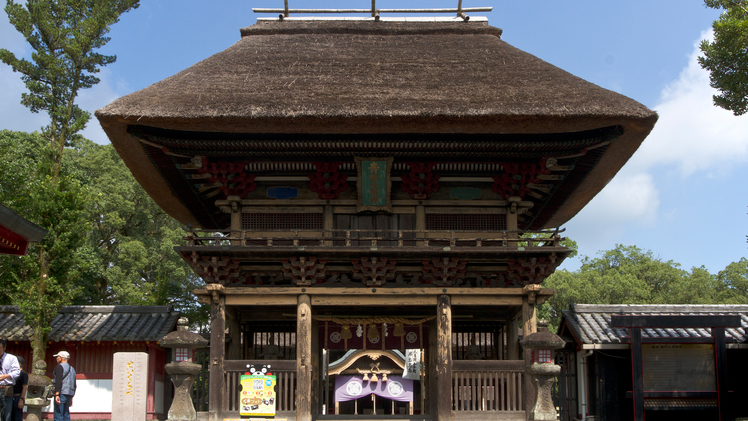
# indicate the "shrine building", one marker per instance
pixel 374 204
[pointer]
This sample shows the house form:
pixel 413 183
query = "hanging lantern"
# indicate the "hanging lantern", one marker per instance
pixel 372 333
pixel 399 329
pixel 374 378
pixel 346 332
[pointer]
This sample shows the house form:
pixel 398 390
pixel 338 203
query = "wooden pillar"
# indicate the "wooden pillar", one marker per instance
pixel 529 326
pixel 420 222
pixel 636 368
pixel 304 363
pixel 328 223
pixel 217 352
pixel 512 211
pixel 441 382
pixel 720 353
pixel 236 219
pixel 235 335
pixel 512 339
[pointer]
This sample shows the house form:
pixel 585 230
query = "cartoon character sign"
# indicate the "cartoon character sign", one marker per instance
pixel 257 396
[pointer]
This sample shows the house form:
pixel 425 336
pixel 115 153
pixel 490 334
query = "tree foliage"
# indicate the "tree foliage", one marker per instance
pixel 65 36
pixel 630 275
pixel 726 58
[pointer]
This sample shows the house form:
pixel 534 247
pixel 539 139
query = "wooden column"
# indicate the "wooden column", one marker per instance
pixel 304 363
pixel 636 368
pixel 512 339
pixel 529 326
pixel 512 211
pixel 217 352
pixel 235 335
pixel 720 353
pixel 328 223
pixel 441 394
pixel 236 218
pixel 420 222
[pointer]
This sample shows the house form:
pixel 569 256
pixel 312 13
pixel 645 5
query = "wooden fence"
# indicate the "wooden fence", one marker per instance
pixel 284 370
pixel 490 386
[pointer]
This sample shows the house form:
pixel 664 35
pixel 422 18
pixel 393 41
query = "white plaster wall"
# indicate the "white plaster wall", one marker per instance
pixel 90 396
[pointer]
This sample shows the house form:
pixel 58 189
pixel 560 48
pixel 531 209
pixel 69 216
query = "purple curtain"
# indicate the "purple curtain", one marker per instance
pixel 348 388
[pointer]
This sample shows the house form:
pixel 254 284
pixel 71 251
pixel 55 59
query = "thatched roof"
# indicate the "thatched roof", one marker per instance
pixel 362 76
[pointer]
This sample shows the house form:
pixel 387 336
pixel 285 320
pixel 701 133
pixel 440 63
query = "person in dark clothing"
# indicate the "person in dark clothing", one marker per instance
pixel 64 381
pixel 19 392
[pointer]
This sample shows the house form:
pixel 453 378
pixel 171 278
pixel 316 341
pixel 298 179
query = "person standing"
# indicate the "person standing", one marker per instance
pixel 9 372
pixel 19 392
pixel 64 381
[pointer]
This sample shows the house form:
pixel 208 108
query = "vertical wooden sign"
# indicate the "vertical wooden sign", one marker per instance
pixel 374 184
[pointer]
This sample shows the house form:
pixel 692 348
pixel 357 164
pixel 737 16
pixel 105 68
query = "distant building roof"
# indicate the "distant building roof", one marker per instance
pixel 95 323
pixel 590 323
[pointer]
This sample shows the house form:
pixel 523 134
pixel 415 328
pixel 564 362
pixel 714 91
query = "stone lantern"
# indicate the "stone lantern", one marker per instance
pixel 182 369
pixel 543 370
pixel 40 390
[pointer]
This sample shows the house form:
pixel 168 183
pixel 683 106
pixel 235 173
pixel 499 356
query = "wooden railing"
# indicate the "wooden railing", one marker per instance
pixel 487 386
pixel 375 238
pixel 284 370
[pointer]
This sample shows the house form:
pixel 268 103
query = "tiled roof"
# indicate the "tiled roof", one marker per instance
pixel 591 322
pixel 95 323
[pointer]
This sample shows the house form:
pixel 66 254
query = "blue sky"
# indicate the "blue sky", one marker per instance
pixel 683 195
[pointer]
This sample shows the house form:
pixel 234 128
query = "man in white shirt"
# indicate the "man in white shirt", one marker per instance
pixel 9 372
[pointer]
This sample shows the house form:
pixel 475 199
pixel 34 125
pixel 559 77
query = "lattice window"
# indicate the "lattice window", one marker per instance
pixel 182 354
pixel 544 356
pixel 281 221
pixel 466 222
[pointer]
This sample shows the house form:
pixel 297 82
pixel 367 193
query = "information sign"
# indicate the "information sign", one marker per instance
pixel 257 395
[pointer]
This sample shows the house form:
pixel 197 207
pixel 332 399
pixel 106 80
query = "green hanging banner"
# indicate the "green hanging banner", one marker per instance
pixel 374 184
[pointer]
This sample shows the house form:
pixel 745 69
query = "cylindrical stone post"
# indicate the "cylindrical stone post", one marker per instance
pixel 183 372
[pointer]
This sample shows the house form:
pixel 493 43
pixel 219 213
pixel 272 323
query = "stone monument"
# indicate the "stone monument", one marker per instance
pixel 182 369
pixel 129 386
pixel 543 370
pixel 39 391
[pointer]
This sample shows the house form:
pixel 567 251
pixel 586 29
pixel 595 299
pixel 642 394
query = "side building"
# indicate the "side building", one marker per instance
pixel 92 334
pixel 366 197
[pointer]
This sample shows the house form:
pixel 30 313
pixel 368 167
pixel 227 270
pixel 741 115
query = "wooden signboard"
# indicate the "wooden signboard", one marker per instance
pixel 672 367
pixel 374 184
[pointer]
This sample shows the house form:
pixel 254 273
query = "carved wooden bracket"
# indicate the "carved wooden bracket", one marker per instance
pixel 532 270
pixel 374 272
pixel 304 271
pixel 229 177
pixel 327 182
pixel 518 178
pixel 444 272
pixel 215 270
pixel 421 182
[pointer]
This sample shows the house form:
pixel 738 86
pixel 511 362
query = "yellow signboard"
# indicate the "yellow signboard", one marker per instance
pixel 257 396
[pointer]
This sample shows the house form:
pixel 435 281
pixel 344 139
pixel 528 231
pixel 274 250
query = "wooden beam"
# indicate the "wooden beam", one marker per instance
pixel 636 371
pixel 262 300
pixel 529 326
pixel 443 390
pixel 382 300
pixel 512 339
pixel 217 352
pixel 369 291
pixel 486 300
pixel 304 362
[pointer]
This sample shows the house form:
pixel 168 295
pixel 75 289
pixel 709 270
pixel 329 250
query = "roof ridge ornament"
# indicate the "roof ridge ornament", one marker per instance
pixel 459 11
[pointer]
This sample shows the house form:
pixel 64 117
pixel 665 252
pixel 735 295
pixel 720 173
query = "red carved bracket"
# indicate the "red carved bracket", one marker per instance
pixel 215 270
pixel 304 271
pixel 516 177
pixel 532 270
pixel 443 272
pixel 327 182
pixel 374 272
pixel 421 182
pixel 231 178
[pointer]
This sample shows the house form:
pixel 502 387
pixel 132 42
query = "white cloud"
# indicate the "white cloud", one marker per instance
pixel 692 137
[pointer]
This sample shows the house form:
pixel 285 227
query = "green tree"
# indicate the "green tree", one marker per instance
pixel 65 36
pixel 726 58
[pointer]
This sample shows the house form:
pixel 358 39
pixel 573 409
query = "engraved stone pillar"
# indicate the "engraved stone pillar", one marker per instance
pixel 543 371
pixel 129 386
pixel 182 369
pixel 40 389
